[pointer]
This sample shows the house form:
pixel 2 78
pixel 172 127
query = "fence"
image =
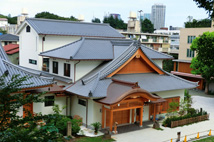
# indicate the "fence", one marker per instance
pixel 193 136
pixel 189 120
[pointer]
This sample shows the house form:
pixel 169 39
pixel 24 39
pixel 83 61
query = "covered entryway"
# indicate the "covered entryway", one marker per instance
pixel 124 104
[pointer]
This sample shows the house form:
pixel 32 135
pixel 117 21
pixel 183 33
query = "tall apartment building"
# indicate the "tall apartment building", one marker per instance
pixel 158 15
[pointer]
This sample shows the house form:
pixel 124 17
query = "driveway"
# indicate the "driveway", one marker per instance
pixel 200 100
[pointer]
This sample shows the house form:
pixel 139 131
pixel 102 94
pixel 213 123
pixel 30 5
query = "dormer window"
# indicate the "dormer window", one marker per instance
pixel 28 29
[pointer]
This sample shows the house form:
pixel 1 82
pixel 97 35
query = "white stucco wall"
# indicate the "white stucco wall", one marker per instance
pixel 77 109
pixel 174 93
pixel 31 45
pixel 159 63
pixel 82 67
pixel 40 107
pixel 28 48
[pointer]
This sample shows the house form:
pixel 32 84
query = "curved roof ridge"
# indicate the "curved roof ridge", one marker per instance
pixel 26 71
pixel 157 51
pixel 3 54
pixel 82 41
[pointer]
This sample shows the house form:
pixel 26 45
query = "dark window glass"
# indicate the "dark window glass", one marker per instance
pixel 32 61
pixel 67 69
pixel 49 100
pixel 28 29
pixel 82 102
pixel 55 67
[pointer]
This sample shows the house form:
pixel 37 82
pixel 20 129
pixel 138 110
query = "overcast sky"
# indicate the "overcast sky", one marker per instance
pixel 177 11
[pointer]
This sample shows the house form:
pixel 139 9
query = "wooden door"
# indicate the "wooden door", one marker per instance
pixel 27 108
pixel 121 117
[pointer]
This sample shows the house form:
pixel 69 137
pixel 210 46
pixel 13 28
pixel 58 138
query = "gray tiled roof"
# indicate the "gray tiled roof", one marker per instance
pixel 35 78
pixel 3 55
pixel 9 37
pixel 98 49
pixel 47 74
pixel 97 83
pixel 62 27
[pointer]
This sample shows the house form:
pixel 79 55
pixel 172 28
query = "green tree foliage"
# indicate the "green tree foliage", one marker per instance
pixel 147 26
pixel 198 23
pixel 11 20
pixel 115 22
pixel 168 65
pixel 3 31
pixel 203 63
pixel 172 110
pixel 96 20
pixel 48 15
pixel 207 5
pixel 16 128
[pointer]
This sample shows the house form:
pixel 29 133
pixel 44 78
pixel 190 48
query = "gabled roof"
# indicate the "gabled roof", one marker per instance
pixel 11 48
pixel 98 49
pixel 7 67
pixel 96 82
pixel 9 37
pixel 71 28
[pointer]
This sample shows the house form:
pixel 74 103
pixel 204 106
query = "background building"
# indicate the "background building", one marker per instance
pixel 158 15
pixel 146 16
pixel 116 16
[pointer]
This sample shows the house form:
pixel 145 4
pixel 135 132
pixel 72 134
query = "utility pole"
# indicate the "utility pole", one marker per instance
pixel 140 11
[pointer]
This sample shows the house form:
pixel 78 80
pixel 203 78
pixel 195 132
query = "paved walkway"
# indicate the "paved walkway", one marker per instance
pixel 152 135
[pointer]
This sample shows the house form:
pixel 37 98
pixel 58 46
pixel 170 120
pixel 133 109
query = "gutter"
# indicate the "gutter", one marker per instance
pixel 75 70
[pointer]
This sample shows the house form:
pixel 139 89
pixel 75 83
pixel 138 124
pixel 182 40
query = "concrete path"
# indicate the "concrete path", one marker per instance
pixel 152 135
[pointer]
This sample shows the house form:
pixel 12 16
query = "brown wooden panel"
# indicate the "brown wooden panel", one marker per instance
pixel 121 117
pixel 184 67
pixel 137 65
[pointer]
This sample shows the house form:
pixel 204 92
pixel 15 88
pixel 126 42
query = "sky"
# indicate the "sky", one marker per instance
pixel 177 11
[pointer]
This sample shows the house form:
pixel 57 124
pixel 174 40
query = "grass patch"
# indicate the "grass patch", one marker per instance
pixel 93 139
pixel 159 129
pixel 210 139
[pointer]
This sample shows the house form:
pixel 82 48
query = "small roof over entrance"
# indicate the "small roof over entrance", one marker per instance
pixel 120 90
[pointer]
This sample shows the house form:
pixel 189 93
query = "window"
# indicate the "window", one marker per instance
pixel 66 69
pixel 82 102
pixel 190 39
pixel 190 53
pixel 31 61
pixel 55 67
pixel 49 100
pixel 28 29
pixel 45 65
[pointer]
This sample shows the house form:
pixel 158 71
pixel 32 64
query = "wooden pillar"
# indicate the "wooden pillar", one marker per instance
pixel 141 116
pixel 154 112
pixel 133 111
pixel 111 120
pixel 103 116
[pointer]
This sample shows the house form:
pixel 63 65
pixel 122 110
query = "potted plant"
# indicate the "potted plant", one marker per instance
pixel 96 126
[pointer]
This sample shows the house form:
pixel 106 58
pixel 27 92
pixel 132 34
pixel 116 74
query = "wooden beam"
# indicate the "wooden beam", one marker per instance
pixel 154 116
pixel 141 116
pixel 103 116
pixel 120 109
pixel 111 120
pixel 133 112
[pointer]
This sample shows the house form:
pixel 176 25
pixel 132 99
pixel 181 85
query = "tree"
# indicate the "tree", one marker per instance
pixel 3 31
pixel 168 65
pixel 96 20
pixel 207 5
pixel 48 15
pixel 11 20
pixel 147 26
pixel 14 127
pixel 115 22
pixel 203 63
pixel 198 23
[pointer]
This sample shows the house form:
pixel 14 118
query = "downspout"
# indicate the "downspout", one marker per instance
pixel 43 39
pixel 75 71
pixel 86 113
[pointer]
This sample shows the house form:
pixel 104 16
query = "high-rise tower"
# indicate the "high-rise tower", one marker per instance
pixel 158 15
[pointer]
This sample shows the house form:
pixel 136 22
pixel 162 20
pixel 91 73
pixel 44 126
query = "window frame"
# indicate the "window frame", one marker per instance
pixel 55 69
pixel 28 29
pixel 50 102
pixel 67 69
pixel 82 102
pixel 34 62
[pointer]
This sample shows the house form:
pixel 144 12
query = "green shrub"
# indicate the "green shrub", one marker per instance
pixel 75 126
pixel 62 125
pixel 191 111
